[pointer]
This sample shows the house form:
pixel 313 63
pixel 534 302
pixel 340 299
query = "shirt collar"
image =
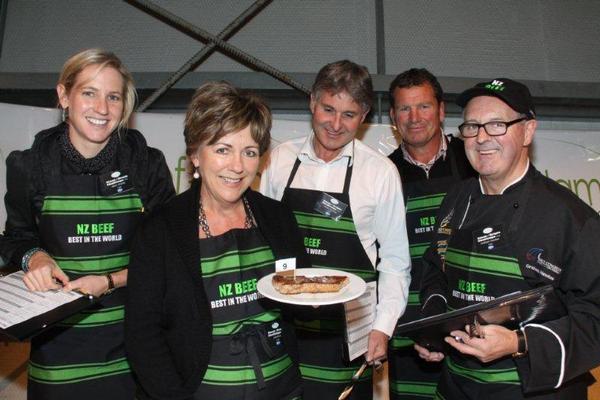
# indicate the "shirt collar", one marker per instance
pixel 427 166
pixel 307 150
pixel 511 183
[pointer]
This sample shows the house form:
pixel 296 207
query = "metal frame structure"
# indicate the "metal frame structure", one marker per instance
pixel 287 93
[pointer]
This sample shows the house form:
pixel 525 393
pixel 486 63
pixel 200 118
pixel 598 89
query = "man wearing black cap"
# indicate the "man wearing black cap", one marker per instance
pixel 430 163
pixel 513 229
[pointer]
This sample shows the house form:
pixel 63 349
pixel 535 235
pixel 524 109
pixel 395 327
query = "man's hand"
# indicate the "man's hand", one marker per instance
pixel 44 274
pixel 495 342
pixel 430 356
pixel 378 344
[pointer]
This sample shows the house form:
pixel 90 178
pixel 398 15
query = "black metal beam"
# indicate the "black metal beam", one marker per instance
pixel 228 49
pixel 562 100
pixel 206 51
pixel 3 7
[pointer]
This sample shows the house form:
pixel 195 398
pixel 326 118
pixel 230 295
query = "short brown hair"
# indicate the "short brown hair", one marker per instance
pixel 416 77
pixel 218 108
pixel 102 59
pixel 345 76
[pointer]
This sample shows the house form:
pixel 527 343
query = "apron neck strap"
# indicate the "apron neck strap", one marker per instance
pixel 346 180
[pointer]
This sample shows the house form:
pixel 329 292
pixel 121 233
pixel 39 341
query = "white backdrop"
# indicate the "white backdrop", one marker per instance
pixel 571 157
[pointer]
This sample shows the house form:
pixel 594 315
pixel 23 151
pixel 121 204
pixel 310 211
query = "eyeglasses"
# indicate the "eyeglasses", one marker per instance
pixel 492 128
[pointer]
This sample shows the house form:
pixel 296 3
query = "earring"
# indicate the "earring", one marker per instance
pixel 196 174
pixel 64 114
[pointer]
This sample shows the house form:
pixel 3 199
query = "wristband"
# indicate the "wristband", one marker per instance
pixel 111 284
pixel 522 344
pixel 27 257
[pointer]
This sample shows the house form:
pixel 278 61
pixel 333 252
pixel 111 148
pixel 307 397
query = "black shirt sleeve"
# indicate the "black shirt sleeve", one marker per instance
pixel 21 230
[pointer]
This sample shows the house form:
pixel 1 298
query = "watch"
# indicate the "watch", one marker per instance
pixel 522 344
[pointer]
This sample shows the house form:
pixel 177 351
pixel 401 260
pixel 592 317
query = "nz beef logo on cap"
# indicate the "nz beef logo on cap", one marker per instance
pixel 534 255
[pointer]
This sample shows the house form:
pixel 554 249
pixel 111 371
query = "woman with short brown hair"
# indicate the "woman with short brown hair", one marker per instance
pixel 196 326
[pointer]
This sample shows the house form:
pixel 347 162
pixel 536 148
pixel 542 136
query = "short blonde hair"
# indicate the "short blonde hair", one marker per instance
pixel 102 59
pixel 218 108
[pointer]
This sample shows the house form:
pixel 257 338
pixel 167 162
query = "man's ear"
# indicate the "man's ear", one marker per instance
pixel 364 115
pixel 442 115
pixel 530 127
pixel 393 116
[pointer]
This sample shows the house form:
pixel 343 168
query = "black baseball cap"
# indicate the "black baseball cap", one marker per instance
pixel 513 93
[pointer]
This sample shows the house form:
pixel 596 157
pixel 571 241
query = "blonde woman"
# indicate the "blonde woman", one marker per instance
pixel 70 222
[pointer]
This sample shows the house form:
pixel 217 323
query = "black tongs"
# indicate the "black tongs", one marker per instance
pixel 348 389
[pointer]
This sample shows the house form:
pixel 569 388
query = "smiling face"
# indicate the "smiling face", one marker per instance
pixel 95 106
pixel 418 117
pixel 227 168
pixel 335 121
pixel 499 159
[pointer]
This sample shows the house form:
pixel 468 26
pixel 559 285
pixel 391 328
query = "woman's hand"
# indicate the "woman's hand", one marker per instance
pixel 44 274
pixel 96 285
pixel 494 342
pixel 430 356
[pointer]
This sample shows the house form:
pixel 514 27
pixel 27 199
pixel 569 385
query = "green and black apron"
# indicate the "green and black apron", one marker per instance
pixel 250 356
pixel 87 232
pixel 481 264
pixel 410 376
pixel 321 331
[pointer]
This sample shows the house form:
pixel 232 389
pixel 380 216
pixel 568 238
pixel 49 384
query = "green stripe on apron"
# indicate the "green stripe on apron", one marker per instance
pixel 412 388
pixel 485 264
pixel 422 203
pixel 399 342
pixel 418 249
pixel 507 376
pixel 319 222
pixel 413 299
pixel 337 375
pixel 228 328
pixel 91 204
pixel 243 375
pixel 236 261
pixel 76 372
pixel 94 265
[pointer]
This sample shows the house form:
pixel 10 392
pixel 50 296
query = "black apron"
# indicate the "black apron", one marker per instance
pixel 321 331
pixel 410 376
pixel 250 342
pixel 87 231
pixel 481 264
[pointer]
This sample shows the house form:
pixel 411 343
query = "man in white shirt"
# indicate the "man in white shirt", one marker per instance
pixel 348 202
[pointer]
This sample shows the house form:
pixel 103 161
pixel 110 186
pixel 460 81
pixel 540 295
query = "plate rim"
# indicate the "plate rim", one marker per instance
pixel 317 302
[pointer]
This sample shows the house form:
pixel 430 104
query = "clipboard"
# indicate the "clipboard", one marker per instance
pixel 44 317
pixel 512 310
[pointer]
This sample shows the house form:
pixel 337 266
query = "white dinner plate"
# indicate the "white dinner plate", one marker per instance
pixel 351 291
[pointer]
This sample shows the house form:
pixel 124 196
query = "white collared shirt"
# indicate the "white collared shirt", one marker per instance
pixel 377 207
